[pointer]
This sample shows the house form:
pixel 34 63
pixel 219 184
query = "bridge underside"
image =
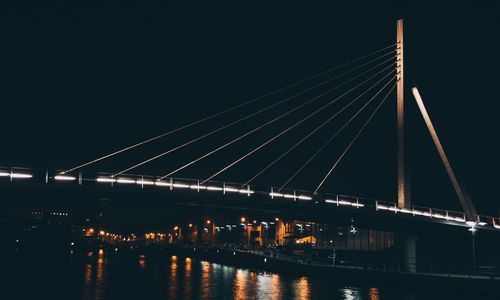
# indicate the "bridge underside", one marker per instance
pixel 122 205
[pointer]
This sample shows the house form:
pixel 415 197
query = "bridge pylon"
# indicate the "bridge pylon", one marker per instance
pixel 404 200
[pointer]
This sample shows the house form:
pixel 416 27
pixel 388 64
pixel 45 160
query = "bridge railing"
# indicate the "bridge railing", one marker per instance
pixel 15 174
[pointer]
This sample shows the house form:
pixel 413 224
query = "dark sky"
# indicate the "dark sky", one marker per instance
pixel 79 82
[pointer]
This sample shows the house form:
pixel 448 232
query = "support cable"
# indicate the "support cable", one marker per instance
pixel 293 126
pixel 318 151
pixel 229 109
pixel 352 142
pixel 253 130
pixel 320 126
pixel 251 115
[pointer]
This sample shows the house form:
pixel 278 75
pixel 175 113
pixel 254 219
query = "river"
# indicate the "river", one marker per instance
pixel 113 276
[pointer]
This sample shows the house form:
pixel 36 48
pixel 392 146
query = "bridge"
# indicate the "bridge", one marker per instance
pixel 364 84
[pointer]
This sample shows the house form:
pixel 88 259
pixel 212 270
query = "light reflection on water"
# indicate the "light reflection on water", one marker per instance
pixel 112 275
pixel 175 277
pixel 189 277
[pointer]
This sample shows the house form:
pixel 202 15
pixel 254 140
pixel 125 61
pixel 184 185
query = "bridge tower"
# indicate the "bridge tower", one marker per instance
pixel 403 184
pixel 405 241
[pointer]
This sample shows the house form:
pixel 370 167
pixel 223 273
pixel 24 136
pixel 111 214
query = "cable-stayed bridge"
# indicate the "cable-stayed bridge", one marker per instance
pixel 356 91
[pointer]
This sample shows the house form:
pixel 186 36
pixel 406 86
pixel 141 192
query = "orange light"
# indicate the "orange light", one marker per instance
pixel 102 232
pixel 190 225
pixel 243 219
pixel 176 227
pixel 276 219
pixel 208 221
pixel 254 221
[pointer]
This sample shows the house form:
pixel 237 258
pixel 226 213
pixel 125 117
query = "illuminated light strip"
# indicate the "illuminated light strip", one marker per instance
pixel 382 207
pixel 275 194
pixel 462 220
pixel 405 211
pixel 330 201
pixel 392 208
pixel 355 204
pixel 4 174
pixel 214 188
pixel 197 187
pixel 438 216
pixel 343 202
pixel 105 179
pixel 417 212
pixel 64 178
pixel 145 182
pixel 246 191
pixel 427 214
pixel 289 196
pixel 163 183
pixel 180 185
pixel 303 197
pixel 125 181
pixel 20 175
pixel 230 189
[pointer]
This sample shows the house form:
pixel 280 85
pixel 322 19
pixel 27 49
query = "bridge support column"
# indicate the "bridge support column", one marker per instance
pixel 199 231
pixel 405 244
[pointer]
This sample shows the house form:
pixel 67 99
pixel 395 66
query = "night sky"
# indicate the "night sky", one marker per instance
pixel 80 82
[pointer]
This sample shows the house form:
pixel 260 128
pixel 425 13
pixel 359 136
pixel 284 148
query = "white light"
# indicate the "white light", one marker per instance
pixel 4 174
pixel 275 194
pixel 457 219
pixel 343 202
pixel 405 211
pixel 289 196
pixel 180 185
pixel 105 179
pixel 163 183
pixel 382 207
pixel 481 223
pixel 125 180
pixel 392 208
pixel 64 177
pixel 427 214
pixel 246 192
pixel 417 212
pixel 302 197
pixel 471 223
pixel 438 216
pixel 20 175
pixel 197 187
pixel 214 188
pixel 145 182
pixel 229 189
pixel 358 205
pixel 330 201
